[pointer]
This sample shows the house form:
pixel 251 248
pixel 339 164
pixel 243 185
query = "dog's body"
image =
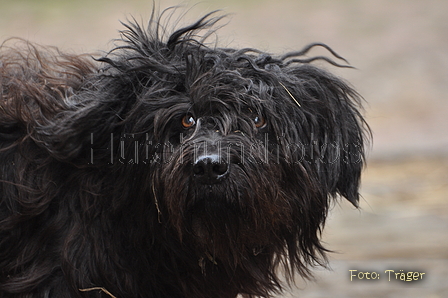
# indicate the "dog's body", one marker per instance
pixel 168 168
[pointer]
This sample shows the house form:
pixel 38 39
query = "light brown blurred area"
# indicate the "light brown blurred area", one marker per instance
pixel 400 51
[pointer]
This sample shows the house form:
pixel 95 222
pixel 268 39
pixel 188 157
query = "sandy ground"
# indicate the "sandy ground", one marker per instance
pixel 400 50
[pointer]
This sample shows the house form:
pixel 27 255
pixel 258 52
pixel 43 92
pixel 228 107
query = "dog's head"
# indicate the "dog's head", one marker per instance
pixel 235 152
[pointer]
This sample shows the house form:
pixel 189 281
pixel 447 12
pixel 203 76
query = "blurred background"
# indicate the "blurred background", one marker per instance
pixel 400 51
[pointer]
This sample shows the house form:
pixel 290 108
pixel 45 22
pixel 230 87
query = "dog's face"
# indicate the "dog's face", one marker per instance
pixel 240 152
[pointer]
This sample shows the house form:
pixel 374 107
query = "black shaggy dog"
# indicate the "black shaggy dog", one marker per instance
pixel 169 167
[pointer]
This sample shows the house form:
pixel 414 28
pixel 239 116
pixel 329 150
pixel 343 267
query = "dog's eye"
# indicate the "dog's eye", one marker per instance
pixel 188 121
pixel 259 121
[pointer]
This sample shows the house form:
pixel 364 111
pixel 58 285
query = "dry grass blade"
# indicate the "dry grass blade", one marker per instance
pixel 98 288
pixel 290 94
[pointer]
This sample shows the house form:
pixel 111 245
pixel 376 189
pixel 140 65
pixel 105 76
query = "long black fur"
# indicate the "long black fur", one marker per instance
pixel 99 194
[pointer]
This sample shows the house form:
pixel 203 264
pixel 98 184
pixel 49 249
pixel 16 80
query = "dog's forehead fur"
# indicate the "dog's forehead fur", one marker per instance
pixel 213 79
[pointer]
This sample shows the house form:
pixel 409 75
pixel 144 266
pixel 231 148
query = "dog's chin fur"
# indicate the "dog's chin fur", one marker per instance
pixel 169 168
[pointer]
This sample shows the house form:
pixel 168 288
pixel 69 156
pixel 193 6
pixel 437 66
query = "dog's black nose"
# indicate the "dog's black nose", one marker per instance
pixel 210 169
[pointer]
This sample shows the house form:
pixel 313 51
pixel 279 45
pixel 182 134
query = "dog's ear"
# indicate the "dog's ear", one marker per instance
pixel 331 128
